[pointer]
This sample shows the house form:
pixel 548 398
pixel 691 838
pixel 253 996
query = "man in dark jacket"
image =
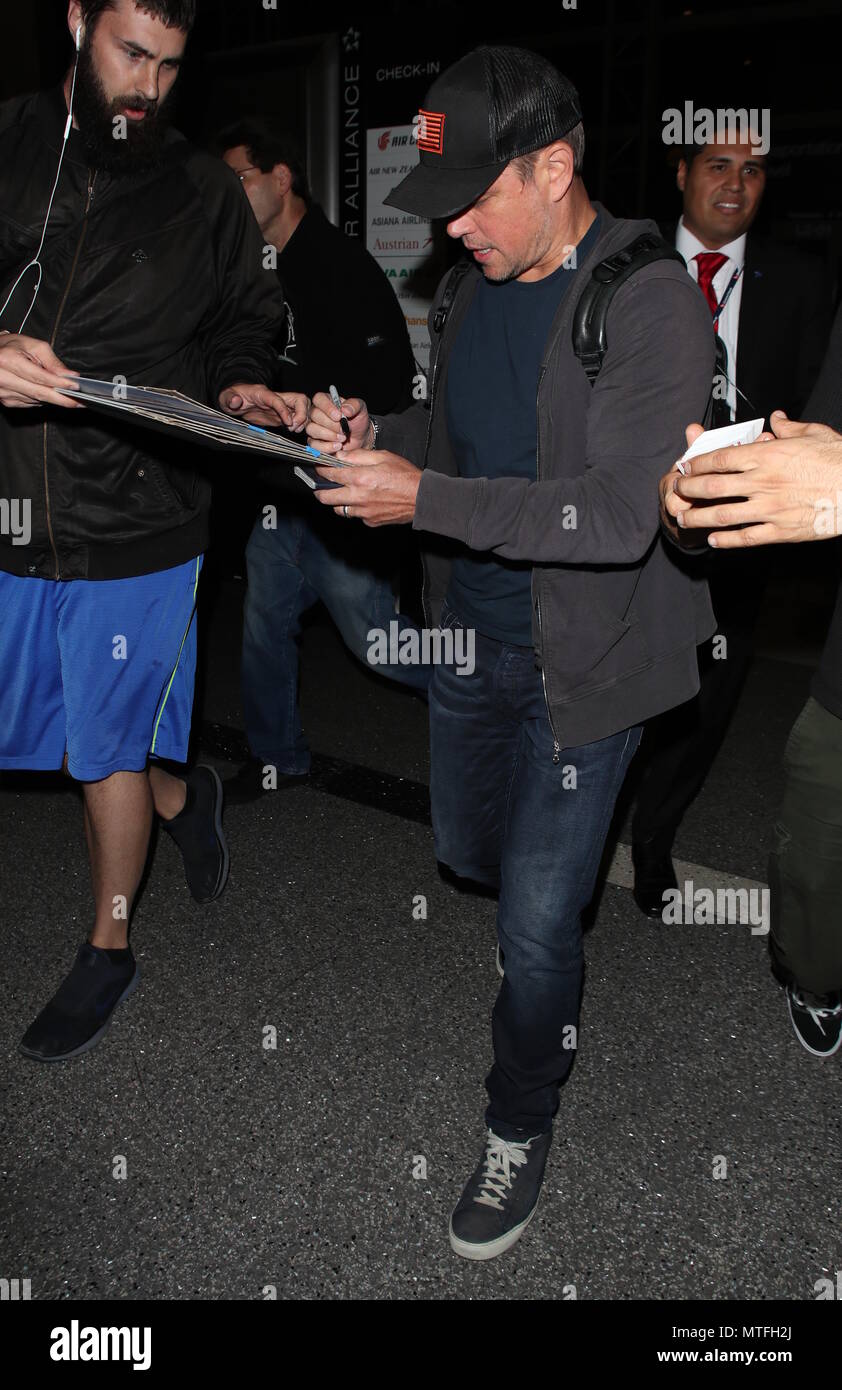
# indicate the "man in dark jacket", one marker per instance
pixel 771 310
pixel 543 537
pixel 789 489
pixel 344 327
pixel 124 254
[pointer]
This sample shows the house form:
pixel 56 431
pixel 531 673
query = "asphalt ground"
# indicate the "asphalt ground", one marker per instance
pixel 295 1092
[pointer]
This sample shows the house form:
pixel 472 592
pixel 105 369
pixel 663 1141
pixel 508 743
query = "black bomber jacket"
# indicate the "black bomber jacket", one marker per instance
pixel 156 278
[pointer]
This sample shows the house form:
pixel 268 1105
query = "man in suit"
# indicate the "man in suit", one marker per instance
pixel 771 310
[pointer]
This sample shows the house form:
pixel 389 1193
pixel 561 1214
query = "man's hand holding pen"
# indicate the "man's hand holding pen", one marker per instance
pixel 377 487
pixel 324 429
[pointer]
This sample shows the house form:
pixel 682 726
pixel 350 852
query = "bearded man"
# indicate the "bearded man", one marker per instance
pixel 124 254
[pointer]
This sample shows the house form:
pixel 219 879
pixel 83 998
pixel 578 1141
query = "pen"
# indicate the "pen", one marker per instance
pixel 345 427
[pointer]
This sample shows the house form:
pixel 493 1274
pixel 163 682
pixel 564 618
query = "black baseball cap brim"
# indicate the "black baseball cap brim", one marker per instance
pixel 432 191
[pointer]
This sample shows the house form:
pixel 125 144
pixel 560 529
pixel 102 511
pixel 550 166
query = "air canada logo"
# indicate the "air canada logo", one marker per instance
pixel 383 140
pixel 430 128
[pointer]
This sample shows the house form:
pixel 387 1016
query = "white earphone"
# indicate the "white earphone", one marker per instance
pixel 36 258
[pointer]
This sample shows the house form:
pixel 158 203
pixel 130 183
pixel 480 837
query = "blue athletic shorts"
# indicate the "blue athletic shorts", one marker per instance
pixel 102 670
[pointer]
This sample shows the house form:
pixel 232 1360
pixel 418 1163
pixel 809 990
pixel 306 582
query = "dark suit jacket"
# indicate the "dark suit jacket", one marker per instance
pixel 785 314
pixel 825 403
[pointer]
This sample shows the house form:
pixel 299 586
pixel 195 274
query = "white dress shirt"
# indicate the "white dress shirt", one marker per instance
pixel 689 247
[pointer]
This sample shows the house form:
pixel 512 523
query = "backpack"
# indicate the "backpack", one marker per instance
pixel 589 333
pixel 589 337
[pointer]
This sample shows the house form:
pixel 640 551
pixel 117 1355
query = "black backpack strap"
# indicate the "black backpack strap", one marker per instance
pixel 589 338
pixel 449 295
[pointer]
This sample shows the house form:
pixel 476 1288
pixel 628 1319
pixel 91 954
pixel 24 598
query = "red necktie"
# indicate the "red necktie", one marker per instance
pixel 709 262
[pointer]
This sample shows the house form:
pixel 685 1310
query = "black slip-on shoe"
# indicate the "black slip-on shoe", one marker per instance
pixel 817 1020
pixel 82 1007
pixel 501 1198
pixel 197 830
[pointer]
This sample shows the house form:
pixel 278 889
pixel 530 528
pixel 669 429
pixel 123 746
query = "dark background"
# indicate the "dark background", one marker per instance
pixel 630 59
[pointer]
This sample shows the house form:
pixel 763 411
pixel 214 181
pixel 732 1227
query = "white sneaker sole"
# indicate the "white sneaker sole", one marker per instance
pixel 489 1249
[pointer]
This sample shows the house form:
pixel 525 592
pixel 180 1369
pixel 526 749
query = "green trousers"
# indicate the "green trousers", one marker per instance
pixel 805 867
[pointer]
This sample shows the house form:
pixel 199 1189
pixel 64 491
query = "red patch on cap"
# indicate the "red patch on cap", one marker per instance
pixel 431 131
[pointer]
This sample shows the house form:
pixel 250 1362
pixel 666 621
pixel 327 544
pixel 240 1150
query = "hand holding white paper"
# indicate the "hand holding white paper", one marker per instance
pixel 723 438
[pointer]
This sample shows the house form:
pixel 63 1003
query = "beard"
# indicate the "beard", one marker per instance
pixel 142 149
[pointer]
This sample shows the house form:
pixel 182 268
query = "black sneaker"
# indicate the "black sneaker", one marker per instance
pixel 248 782
pixel 817 1020
pixel 501 1198
pixel 197 830
pixel 80 1011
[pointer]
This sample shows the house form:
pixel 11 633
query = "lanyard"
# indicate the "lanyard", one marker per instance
pixel 726 296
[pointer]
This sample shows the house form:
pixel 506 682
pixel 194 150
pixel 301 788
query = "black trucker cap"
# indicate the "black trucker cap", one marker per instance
pixel 494 104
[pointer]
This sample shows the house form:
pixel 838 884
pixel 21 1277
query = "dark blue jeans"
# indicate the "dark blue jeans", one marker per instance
pixel 290 568
pixel 507 816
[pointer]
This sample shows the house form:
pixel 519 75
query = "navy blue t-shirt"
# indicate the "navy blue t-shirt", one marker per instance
pixel 492 386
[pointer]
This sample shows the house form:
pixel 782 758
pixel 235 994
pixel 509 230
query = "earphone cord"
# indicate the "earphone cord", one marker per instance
pixel 35 260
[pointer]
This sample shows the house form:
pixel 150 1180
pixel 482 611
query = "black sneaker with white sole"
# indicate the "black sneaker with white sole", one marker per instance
pixel 501 1198
pixel 197 830
pixel 81 1009
pixel 817 1020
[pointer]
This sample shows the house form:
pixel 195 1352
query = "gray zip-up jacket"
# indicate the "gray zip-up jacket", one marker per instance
pixel 617 616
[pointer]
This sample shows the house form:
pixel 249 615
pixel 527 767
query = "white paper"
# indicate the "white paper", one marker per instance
pixel 711 440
